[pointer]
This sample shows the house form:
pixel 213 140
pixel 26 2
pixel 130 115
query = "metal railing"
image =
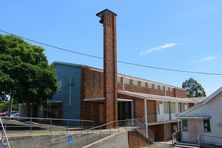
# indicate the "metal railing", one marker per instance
pixel 41 130
pixel 4 137
pixel 49 125
pixel 57 133
pixel 209 140
pixel 88 136
pixel 155 118
pixel 149 136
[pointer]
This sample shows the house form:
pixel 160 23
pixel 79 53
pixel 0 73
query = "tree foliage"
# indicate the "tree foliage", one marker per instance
pixel 4 106
pixel 193 88
pixel 25 73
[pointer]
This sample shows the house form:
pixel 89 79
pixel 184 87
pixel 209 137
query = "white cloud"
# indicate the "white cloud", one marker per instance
pixel 205 59
pixel 158 48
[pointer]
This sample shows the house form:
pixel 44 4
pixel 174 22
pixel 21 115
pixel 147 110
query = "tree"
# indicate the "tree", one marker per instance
pixel 25 74
pixel 193 88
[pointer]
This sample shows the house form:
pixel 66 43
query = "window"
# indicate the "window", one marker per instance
pixel 146 85
pixel 143 84
pixel 207 125
pixel 161 88
pixel 158 107
pixel 166 107
pixel 183 107
pixel 122 80
pixel 131 82
pixel 173 107
pixel 184 125
pixel 168 89
pixel 179 107
pixel 138 83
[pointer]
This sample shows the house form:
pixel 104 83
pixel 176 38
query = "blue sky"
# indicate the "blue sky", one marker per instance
pixel 178 34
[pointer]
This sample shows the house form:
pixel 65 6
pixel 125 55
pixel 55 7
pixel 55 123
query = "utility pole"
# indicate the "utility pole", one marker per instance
pixel 10 105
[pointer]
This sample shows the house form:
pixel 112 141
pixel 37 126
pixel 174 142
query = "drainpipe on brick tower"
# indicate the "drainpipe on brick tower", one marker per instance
pixel 108 19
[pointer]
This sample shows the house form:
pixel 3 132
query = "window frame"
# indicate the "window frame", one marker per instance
pixel 184 127
pixel 206 126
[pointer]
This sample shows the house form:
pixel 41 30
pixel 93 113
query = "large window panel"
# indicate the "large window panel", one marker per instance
pixel 206 125
pixel 184 125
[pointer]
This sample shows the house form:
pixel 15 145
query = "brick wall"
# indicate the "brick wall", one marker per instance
pixel 152 117
pixel 180 93
pixel 95 90
pixel 108 19
pixel 92 83
pixel 136 140
pixel 139 107
pixel 90 111
pixel 159 132
pixel 140 89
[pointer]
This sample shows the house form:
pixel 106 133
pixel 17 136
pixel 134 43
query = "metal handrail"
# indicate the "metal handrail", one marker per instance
pixel 150 134
pixel 44 123
pixel 55 119
pixel 4 135
pixel 86 133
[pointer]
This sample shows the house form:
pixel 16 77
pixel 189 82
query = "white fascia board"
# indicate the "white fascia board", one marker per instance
pixel 202 103
pixel 124 100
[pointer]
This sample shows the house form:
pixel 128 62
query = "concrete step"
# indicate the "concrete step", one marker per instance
pixel 186 145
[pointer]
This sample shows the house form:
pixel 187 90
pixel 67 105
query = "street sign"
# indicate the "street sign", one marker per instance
pixel 70 139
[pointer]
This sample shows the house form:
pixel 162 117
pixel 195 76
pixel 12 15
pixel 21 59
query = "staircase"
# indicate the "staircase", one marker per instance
pixel 3 137
pixel 142 130
pixel 186 145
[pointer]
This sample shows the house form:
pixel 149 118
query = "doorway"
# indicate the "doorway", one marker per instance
pixel 125 110
pixel 160 111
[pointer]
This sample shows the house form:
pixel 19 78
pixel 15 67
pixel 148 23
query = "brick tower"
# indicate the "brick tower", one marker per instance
pixel 108 19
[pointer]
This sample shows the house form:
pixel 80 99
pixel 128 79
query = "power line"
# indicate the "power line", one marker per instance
pixel 119 61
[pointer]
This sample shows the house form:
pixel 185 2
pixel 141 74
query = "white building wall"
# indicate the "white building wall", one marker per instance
pixel 185 136
pixel 213 108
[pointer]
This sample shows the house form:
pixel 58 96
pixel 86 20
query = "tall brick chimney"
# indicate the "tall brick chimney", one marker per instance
pixel 108 19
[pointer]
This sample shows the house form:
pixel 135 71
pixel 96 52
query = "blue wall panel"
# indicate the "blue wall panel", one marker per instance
pixel 70 90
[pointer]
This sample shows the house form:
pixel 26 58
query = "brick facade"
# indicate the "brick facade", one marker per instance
pixel 136 140
pixel 159 132
pixel 108 19
pixel 93 86
pixel 99 84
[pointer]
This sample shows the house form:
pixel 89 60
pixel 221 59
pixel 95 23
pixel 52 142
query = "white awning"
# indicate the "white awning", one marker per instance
pixel 160 98
pixel 194 117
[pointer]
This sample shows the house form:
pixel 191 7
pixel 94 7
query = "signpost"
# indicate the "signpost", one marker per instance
pixel 70 139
